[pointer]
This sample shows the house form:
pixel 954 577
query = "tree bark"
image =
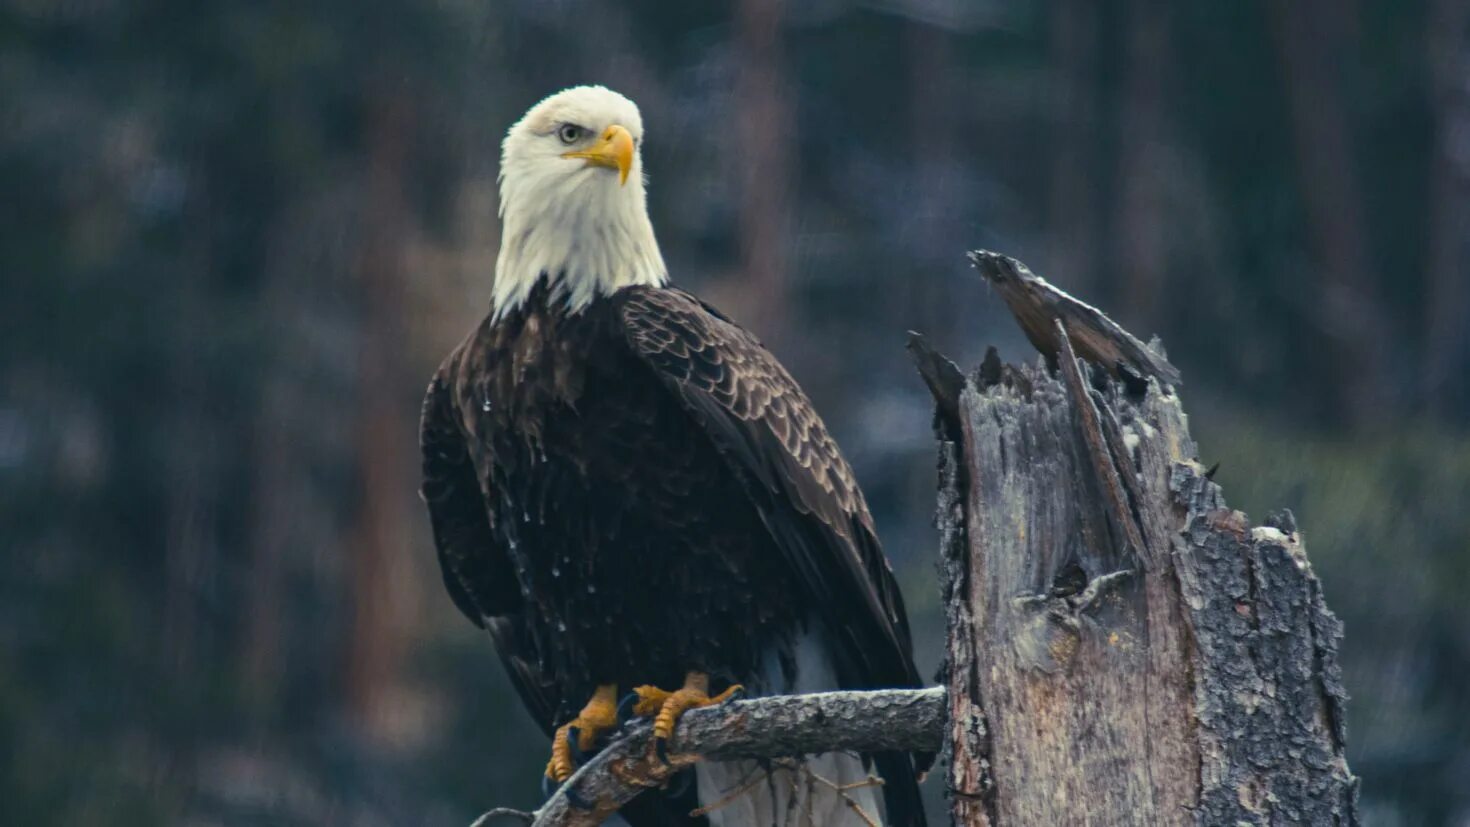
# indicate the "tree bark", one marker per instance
pixel 1120 642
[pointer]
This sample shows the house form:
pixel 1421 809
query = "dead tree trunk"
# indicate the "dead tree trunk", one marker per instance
pixel 1123 648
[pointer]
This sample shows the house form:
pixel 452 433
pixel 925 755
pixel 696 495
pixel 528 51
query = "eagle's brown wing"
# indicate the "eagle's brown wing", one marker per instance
pixel 765 427
pixel 469 551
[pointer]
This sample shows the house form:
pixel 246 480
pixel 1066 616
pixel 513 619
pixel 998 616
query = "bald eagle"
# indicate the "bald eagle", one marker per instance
pixel 636 499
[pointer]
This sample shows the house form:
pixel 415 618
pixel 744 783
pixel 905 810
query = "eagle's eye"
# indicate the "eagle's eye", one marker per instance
pixel 570 133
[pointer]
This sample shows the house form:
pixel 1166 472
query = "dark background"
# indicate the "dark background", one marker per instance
pixel 236 238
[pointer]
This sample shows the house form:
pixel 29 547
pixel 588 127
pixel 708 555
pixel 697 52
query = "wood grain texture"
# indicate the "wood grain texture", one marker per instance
pixel 1123 649
pixel 1038 305
pixel 967 738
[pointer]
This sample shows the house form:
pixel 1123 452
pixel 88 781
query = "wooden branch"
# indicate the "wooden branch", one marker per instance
pixel 907 720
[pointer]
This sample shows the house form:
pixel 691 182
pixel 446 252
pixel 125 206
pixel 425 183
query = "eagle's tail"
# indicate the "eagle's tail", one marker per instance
pixel 837 789
pixel 831 790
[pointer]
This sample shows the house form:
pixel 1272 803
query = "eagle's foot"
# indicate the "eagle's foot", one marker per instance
pixel 666 707
pixel 646 701
pixel 579 735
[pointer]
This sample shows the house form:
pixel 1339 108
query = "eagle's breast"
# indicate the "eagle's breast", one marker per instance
pixel 530 371
pixel 635 547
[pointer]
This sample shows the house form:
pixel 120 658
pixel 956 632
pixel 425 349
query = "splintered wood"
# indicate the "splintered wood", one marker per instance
pixel 1123 649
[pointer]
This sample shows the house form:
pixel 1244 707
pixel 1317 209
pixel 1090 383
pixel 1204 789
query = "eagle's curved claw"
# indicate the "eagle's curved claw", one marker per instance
pixel 573 736
pixel 666 707
pixel 649 700
pixel 577 737
pixel 679 784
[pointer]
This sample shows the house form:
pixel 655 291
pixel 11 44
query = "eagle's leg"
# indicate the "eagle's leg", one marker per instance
pixel 665 707
pixel 599 715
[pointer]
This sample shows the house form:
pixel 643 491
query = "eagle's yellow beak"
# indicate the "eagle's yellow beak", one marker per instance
pixel 613 150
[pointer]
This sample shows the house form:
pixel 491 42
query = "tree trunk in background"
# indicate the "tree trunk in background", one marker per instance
pixel 378 563
pixel 190 538
pixel 927 296
pixel 1123 648
pixel 269 528
pixel 1311 39
pixel 766 123
pixel 1447 293
pixel 1073 223
pixel 1142 221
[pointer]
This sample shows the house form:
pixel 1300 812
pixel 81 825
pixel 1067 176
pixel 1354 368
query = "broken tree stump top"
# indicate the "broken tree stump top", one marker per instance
pixel 1038 305
pixel 1123 648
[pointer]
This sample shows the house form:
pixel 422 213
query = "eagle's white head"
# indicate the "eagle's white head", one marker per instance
pixel 572 201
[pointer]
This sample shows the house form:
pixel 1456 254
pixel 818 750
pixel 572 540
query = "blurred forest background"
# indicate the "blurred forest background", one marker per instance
pixel 236 238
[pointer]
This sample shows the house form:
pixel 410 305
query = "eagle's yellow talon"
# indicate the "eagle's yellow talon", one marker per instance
pixel 730 692
pixel 666 707
pixel 599 715
pixel 650 700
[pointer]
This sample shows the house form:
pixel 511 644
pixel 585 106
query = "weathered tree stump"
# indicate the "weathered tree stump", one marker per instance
pixel 1123 648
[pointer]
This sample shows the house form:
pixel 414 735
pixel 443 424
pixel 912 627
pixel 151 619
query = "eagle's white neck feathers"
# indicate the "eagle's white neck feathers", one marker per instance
pixel 565 220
